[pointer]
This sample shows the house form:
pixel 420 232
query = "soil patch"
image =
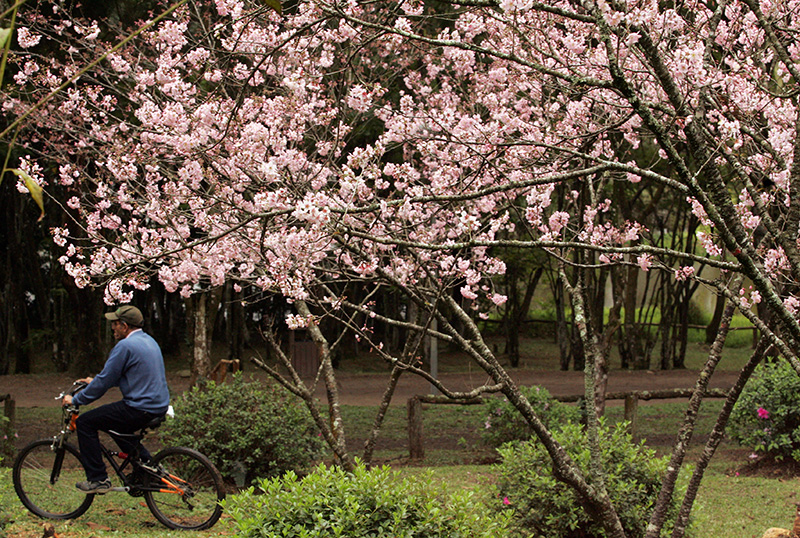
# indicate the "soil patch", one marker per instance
pixel 769 467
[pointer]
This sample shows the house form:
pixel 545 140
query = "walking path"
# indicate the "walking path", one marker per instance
pixel 367 389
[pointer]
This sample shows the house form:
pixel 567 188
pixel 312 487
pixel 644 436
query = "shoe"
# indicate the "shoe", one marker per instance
pixel 99 488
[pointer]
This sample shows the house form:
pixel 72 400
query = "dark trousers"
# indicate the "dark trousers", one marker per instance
pixel 115 416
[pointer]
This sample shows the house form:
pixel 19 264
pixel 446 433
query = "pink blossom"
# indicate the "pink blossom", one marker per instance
pixel 359 98
pixel 467 293
pixel 762 413
pixel 498 299
pixel 26 38
pixel 708 243
pixel 684 272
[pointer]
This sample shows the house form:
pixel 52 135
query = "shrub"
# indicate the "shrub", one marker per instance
pixel 8 499
pixel 331 503
pixel 504 423
pixel 256 428
pixel 767 415
pixel 543 506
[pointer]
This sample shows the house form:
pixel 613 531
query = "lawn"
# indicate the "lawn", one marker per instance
pixel 728 505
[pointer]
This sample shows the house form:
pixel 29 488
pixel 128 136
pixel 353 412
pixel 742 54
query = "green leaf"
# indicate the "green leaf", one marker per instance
pixel 274 4
pixel 34 188
pixel 5 34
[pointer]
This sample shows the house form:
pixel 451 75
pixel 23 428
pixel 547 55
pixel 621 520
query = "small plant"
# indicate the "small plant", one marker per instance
pixel 375 503
pixel 7 498
pixel 7 436
pixel 767 416
pixel 543 506
pixel 504 423
pixel 249 430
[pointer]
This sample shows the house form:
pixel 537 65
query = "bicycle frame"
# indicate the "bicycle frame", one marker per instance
pixel 128 461
pixel 44 470
pixel 134 463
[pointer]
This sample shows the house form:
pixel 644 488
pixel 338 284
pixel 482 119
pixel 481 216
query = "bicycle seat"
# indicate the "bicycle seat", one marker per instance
pixel 155 423
pixel 152 425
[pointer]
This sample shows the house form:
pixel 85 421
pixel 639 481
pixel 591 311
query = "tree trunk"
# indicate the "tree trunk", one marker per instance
pixel 329 378
pixel 713 326
pixel 202 312
pixel 201 354
pixel 562 330
pixel 516 312
pixel 22 348
pixel 236 327
pixel 88 356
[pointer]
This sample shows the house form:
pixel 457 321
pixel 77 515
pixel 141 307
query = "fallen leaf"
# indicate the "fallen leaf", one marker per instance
pixel 97 526
pixel 116 512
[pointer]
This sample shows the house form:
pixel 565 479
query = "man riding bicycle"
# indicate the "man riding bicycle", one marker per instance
pixel 136 366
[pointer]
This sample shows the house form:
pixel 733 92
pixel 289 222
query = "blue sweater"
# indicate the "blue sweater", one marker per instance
pixel 136 366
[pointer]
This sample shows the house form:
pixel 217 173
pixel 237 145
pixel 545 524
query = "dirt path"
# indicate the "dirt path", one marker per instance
pixel 363 389
pixel 367 389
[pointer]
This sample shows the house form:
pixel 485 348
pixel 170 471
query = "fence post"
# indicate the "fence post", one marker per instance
pixel 415 445
pixel 631 405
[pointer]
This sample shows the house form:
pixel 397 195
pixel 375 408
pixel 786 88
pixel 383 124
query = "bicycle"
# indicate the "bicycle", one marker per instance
pixel 180 486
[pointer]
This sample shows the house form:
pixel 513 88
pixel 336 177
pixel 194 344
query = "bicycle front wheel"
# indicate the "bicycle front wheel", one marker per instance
pixel 191 489
pixel 44 479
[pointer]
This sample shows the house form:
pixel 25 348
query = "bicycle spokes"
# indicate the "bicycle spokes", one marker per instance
pixel 188 490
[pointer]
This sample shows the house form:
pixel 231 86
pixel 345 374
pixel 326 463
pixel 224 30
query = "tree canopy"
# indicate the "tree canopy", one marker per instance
pixel 343 146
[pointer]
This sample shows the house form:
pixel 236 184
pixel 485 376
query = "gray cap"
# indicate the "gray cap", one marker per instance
pixel 128 314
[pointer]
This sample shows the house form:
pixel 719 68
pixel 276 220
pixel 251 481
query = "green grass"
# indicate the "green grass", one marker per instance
pixel 742 506
pixel 728 505
pixel 113 514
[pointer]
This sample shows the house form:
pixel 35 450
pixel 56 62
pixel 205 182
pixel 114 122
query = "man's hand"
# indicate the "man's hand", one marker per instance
pixel 67 399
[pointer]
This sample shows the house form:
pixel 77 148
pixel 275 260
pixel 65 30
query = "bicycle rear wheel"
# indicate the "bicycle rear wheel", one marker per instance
pixel 191 489
pixel 44 479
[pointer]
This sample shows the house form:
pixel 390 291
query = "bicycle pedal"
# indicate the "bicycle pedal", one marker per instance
pixel 120 488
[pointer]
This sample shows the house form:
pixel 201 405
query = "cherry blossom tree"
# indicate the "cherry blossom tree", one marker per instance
pixel 367 146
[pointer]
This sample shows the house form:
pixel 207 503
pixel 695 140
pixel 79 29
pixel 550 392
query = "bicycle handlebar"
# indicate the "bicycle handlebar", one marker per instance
pixel 77 387
pixel 73 390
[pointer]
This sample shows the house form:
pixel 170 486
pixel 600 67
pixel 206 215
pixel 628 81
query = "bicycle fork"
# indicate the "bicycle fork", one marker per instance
pixel 59 461
pixel 59 450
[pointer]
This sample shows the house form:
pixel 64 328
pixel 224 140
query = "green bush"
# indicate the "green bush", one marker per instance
pixel 8 499
pixel 767 416
pixel 331 503
pixel 543 506
pixel 504 423
pixel 258 429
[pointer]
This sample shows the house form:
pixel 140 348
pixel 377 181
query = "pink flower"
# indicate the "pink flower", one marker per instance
pixel 645 261
pixel 763 413
pixel 684 272
pixel 506 501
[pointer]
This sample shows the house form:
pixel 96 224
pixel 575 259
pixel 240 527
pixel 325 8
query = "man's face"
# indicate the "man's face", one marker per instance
pixel 120 329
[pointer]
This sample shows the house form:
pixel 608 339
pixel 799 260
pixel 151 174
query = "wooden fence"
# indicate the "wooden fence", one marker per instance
pixel 416 445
